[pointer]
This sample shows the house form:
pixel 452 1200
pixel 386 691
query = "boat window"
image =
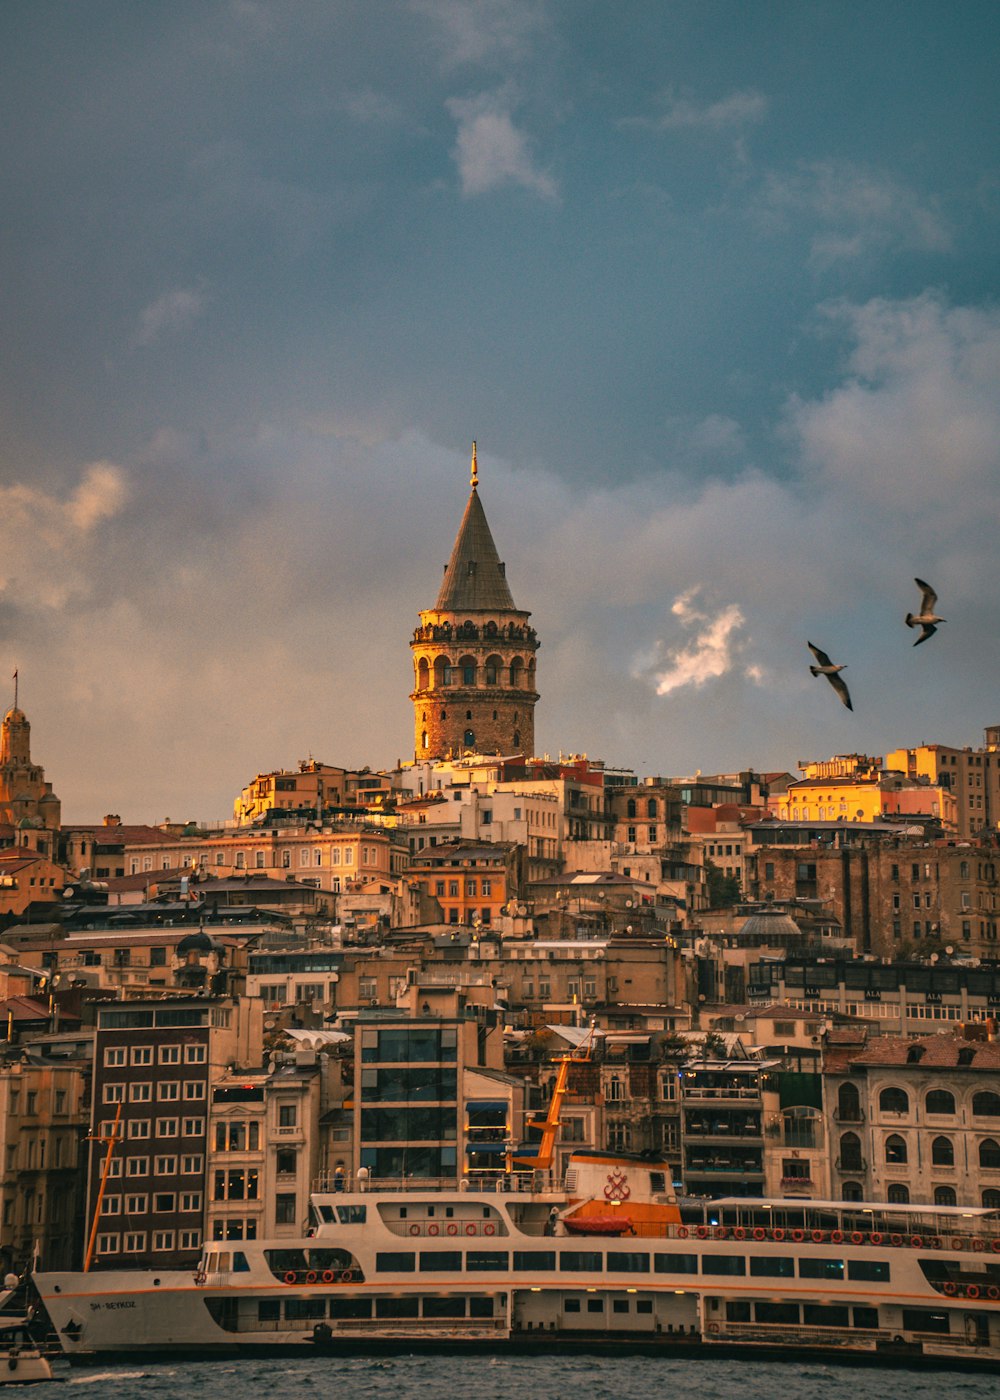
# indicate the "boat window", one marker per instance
pixel 444 1307
pixel 350 1307
pixel 627 1263
pixel 240 1265
pixel 220 1262
pixel 397 1307
pixel 488 1260
pixel 824 1315
pixel 657 1181
pixel 441 1261
pixel 924 1320
pixel 737 1312
pixel 571 1305
pixel 269 1310
pixel 305 1309
pixel 865 1317
pixel 772 1266
pixel 868 1270
pixel 644 1305
pixel 675 1263
pixel 815 1267
pixel 595 1305
pixel 527 1260
pixel 327 1213
pixel 723 1264
pixel 395 1263
pixel 283 1261
pixel 323 1260
pixel 480 1307
pixel 783 1313
pixel 352 1215
pixel 580 1260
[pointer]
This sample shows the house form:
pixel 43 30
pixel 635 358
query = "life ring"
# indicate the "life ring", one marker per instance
pixel 312 1276
pixel 489 1229
pixel 702 1232
pixel 470 1229
pixel 818 1236
pixel 896 1240
pixel 995 1246
pixel 200 1277
pixel 857 1237
pixel 778 1234
pixel 453 1229
pixel 993 1291
pixel 957 1242
pixel 291 1276
pixel 432 1229
pixel 739 1233
pixel 713 1327
pixel 347 1276
pixel 683 1232
pixel 950 1289
pixel 972 1290
pixel 720 1232
pixel 978 1245
pixel 875 1239
pixel 916 1242
pixel 760 1234
pixel 414 1229
pixel 328 1276
pixel 836 1236
pixel 798 1236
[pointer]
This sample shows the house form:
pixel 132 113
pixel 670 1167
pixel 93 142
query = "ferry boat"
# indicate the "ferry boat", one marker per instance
pixel 606 1257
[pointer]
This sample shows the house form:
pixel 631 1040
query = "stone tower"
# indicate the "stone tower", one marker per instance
pixel 474 654
pixel 26 799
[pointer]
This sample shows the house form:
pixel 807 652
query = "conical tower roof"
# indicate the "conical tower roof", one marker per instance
pixel 474 579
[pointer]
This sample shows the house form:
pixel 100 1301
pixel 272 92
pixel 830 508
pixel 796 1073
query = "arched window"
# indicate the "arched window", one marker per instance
pixel 943 1152
pixel 442 671
pixel 894 1100
pixel 630 807
pixel 492 670
pixel 945 1196
pixel 849 1103
pixel 651 807
pixel 851 1191
pixel 991 1200
pixel 423 739
pixel 516 668
pixel 469 739
pixel 423 674
pixel 941 1102
pixel 989 1154
pixel 517 738
pixel 467 668
pixel 898 1194
pixel 986 1104
pixel 850 1153
pixel 895 1149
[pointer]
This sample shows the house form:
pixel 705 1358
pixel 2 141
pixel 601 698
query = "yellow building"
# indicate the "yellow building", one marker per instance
pixel 971 776
pixel 856 788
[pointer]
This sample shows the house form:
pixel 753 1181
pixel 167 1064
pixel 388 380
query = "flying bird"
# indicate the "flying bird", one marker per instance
pixel 926 619
pixel 828 669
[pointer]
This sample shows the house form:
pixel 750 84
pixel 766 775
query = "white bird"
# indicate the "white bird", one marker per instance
pixel 926 619
pixel 828 669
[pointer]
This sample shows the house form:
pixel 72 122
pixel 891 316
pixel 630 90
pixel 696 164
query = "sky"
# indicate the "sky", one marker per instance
pixel 713 285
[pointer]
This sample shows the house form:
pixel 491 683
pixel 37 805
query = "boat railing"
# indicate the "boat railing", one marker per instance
pixel 533 1182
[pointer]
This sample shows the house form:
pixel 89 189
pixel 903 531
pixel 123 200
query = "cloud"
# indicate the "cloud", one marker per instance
pixel 710 654
pixel 862 210
pixel 483 31
pixel 490 151
pixel 48 550
pixel 172 312
pixel 739 109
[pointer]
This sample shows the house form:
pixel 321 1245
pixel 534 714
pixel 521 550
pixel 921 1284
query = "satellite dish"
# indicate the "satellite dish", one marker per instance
pixel 522 909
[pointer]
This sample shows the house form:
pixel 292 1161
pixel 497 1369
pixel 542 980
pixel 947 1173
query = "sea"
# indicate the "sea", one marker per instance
pixel 577 1377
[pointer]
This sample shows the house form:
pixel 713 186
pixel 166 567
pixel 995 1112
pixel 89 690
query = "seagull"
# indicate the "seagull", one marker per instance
pixel 926 619
pixel 828 669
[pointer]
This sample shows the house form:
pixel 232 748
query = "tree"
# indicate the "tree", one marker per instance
pixel 723 890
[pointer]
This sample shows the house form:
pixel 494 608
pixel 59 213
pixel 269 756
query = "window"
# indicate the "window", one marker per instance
pixel 190 1201
pixel 193 1164
pixel 168 1090
pixel 114 1056
pixel 163 1239
pixel 195 1054
pixel 137 1166
pixel 898 1194
pixel 940 1102
pixel 286 1161
pixel 193 1127
pixel 943 1152
pixel 986 1104
pixel 141 1092
pixel 771 1266
pixel 194 1088
pixel 142 1054
pixel 166 1127
pixel 895 1150
pixel 114 1093
pixel 287 1115
pixel 138 1128
pixel 730 1264
pixel 850 1153
pixel 170 1054
pixel 989 1154
pixel 166 1166
pixel 394 1262
pixel 817 1267
pixel 190 1239
pixel 135 1242
pixel 164 1202
pixel 945 1196
pixel 894 1100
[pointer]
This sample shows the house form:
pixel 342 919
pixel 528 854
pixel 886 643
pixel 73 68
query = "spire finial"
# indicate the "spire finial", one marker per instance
pixel 475 466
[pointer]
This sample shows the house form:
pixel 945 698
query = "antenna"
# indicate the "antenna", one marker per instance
pixel 475 466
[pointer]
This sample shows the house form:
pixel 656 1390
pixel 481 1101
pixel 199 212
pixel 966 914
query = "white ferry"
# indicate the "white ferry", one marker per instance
pixel 607 1257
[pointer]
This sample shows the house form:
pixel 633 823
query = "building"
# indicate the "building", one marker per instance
pixel 474 653
pixel 857 788
pixel 27 801
pixel 154 1064
pixel 725 1104
pixel 971 776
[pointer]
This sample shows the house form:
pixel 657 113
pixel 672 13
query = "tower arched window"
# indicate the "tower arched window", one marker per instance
pixel 517 738
pixel 516 671
pixel 849 1103
pixel 630 807
pixel 943 1152
pixel 895 1150
pixel 423 740
pixel 850 1153
pixel 894 1100
pixel 467 667
pixel 469 738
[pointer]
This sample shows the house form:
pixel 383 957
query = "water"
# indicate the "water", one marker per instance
pixel 578 1377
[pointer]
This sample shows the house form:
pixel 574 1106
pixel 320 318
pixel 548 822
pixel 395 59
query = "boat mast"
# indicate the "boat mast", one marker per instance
pixel 542 1160
pixel 105 1173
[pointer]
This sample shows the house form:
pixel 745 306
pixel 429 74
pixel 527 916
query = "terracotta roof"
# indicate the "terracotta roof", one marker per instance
pixel 935 1052
pixel 474 577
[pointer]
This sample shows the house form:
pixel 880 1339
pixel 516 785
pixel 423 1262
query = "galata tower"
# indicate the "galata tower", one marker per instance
pixel 474 654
